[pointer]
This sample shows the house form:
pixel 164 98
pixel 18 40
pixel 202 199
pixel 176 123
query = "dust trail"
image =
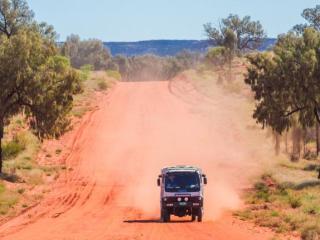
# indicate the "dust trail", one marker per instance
pixel 138 129
pixel 216 134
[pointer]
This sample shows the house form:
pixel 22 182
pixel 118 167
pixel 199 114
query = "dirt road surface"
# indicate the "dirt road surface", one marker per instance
pixel 109 190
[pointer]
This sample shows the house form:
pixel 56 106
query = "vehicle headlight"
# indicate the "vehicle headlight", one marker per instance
pixel 200 198
pixel 186 199
pixel 179 199
pixel 165 199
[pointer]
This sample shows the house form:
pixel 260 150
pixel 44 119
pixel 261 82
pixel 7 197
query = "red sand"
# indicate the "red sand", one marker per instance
pixel 110 191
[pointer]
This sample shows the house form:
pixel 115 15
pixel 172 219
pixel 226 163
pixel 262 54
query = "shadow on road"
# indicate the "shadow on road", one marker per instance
pixel 155 221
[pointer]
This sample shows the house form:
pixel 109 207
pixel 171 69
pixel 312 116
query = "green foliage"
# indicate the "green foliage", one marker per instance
pixel 217 56
pixel 34 78
pixel 151 67
pixel 286 208
pixel 236 34
pixel 87 68
pixel 262 191
pixel 85 72
pixel 295 202
pixel 12 149
pixel 114 74
pixel 287 82
pixel 14 15
pixel 102 84
pixel 312 16
pixel 87 52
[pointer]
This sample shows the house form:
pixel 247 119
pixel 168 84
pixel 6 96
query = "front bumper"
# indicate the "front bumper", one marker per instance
pixel 183 202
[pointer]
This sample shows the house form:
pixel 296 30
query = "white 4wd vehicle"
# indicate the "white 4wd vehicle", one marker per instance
pixel 181 192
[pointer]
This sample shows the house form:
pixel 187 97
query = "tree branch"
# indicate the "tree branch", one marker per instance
pixel 316 112
pixel 288 114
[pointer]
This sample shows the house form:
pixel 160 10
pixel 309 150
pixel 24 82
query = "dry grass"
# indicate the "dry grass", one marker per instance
pixel 8 199
pixel 22 171
pixel 288 200
pixel 95 81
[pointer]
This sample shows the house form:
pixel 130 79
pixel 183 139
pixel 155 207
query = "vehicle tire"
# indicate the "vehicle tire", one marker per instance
pixel 193 218
pixel 200 215
pixel 165 215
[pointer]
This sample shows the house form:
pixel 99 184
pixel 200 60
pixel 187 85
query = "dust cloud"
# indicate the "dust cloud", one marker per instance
pixel 181 127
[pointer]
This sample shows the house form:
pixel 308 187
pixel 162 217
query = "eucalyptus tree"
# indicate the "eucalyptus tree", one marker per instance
pixel 84 52
pixel 286 83
pixel 248 34
pixel 312 16
pixel 14 14
pixel 34 78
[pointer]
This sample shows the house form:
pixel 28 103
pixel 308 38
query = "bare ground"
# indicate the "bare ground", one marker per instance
pixel 109 189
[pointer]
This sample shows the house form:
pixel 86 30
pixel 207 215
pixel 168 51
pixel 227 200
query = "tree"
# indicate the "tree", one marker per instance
pixel 225 53
pixel 312 16
pixel 123 65
pixel 248 34
pixel 217 57
pixel 91 52
pixel 286 83
pixel 34 78
pixel 14 14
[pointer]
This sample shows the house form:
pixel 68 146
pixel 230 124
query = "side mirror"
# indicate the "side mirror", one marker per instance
pixel 159 182
pixel 205 180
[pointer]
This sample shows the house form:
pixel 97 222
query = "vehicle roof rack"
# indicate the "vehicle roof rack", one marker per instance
pixel 181 168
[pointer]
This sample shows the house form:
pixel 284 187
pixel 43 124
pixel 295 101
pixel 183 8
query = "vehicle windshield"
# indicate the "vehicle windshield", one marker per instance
pixel 182 182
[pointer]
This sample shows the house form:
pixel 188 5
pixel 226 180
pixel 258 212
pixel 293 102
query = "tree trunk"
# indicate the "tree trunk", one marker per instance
pixel 277 144
pixel 317 138
pixel 1 136
pixel 286 139
pixel 296 144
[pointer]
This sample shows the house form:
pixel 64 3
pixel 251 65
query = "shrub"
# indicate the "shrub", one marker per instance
pixel 310 155
pixel 311 233
pixel 16 146
pixel 295 202
pixel 85 72
pixel 262 191
pixel 21 190
pixel 114 74
pixel 12 149
pixel 102 84
pixel 7 200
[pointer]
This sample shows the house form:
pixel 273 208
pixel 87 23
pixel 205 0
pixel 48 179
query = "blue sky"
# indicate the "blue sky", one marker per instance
pixel 132 20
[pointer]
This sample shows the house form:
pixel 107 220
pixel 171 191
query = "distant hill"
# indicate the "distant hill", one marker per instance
pixel 164 47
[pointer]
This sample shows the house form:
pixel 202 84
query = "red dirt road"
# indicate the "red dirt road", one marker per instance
pixel 110 189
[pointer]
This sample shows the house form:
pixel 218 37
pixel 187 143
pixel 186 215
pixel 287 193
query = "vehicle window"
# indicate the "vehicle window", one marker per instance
pixel 182 182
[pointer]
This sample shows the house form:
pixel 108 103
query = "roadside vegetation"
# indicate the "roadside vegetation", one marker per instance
pixel 152 67
pixel 287 199
pixel 25 179
pixel 35 77
pixel 284 83
pixel 281 84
